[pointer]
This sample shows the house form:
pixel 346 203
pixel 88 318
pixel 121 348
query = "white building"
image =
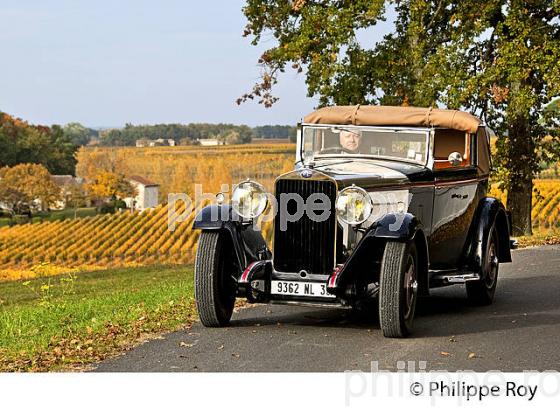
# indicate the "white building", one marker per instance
pixel 146 194
pixel 206 142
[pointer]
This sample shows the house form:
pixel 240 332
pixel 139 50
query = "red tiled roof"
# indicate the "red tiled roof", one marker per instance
pixel 142 180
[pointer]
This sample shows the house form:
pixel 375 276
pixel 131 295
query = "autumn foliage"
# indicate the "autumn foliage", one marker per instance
pixel 107 184
pixel 21 142
pixel 25 183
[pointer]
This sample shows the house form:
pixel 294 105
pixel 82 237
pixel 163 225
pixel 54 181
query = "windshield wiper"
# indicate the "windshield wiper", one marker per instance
pixel 346 161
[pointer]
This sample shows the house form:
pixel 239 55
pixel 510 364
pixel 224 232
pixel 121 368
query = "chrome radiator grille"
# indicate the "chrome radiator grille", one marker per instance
pixel 305 244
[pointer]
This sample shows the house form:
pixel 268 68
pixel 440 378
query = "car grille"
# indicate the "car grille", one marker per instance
pixel 305 244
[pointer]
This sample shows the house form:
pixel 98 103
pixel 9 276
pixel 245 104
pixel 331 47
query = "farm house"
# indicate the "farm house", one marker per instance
pixel 147 194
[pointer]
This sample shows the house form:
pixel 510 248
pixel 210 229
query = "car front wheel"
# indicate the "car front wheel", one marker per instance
pixel 214 284
pixel 398 288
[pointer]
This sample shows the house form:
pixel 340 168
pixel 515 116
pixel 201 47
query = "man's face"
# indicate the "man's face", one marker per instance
pixel 350 141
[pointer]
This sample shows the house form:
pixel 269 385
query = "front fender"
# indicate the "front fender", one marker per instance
pixel 369 251
pixel 397 226
pixel 248 243
pixel 215 217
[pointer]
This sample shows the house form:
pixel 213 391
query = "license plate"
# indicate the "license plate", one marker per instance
pixel 309 289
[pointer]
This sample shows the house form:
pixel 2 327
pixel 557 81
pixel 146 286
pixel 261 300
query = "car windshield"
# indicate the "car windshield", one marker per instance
pixel 347 141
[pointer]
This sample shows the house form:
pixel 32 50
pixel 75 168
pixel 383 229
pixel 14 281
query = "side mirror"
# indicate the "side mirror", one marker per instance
pixel 455 159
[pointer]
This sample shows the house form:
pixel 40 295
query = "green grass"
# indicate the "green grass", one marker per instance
pixel 69 213
pixel 77 321
pixel 50 216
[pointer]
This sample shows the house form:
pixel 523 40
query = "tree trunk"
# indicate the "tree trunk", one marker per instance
pixel 521 160
pixel 519 204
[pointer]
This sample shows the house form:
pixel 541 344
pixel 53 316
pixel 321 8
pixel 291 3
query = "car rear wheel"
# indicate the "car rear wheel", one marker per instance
pixel 215 287
pixel 481 292
pixel 398 288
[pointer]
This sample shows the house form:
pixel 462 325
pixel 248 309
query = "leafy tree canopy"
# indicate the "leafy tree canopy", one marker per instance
pixel 128 135
pixel 110 185
pixel 79 134
pixel 24 183
pixel 275 131
pixel 21 142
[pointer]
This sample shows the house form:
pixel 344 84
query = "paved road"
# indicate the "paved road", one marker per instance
pixel 520 331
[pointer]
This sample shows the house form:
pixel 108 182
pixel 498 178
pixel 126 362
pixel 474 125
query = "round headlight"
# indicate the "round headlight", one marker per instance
pixel 353 205
pixel 249 199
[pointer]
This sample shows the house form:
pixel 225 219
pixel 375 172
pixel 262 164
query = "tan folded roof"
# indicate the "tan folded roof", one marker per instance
pixel 395 116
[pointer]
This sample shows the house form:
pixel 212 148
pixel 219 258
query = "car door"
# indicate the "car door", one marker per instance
pixel 455 201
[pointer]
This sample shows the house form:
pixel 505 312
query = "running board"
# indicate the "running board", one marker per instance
pixel 460 278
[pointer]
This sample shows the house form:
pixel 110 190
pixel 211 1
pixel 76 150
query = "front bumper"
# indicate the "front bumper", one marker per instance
pixel 255 285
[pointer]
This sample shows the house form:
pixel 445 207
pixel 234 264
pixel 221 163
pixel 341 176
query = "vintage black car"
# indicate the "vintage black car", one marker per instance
pixel 384 203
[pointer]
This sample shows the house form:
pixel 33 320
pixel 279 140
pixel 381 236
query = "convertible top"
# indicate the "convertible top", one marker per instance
pixel 395 116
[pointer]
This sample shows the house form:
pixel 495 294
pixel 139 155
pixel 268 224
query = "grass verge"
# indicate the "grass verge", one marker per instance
pixel 66 322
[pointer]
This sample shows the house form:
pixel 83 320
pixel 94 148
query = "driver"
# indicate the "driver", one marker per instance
pixel 350 141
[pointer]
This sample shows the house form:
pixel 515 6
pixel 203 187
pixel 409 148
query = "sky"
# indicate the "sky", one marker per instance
pixel 107 63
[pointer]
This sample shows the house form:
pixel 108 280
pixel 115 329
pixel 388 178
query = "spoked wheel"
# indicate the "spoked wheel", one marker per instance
pixel 482 292
pixel 398 291
pixel 215 285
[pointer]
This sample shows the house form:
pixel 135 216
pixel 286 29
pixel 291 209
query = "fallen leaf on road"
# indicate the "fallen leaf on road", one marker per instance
pixel 221 347
pixel 472 355
pixel 183 344
pixel 445 354
pixel 452 339
pixel 254 331
pixel 235 355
